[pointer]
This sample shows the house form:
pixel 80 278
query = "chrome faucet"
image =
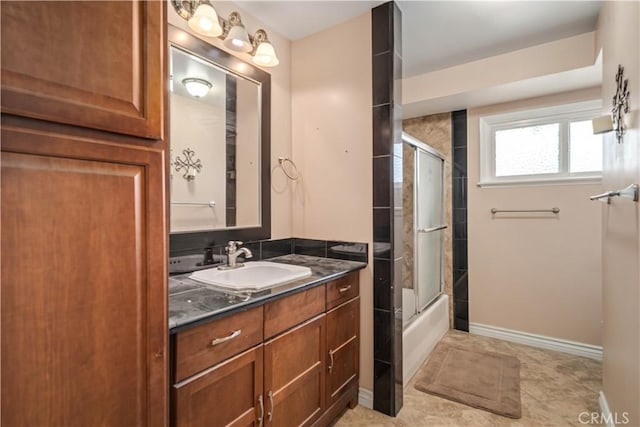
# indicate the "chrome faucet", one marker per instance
pixel 233 253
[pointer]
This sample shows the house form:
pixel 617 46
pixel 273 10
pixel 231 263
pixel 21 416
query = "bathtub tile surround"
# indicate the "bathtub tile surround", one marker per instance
pixel 386 21
pixel 460 246
pixel 436 131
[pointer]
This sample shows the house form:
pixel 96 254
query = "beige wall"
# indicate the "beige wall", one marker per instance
pixel 541 276
pixel 619 37
pixel 332 147
pixel 280 107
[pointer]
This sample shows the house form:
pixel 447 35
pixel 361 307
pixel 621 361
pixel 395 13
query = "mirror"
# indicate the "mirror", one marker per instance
pixel 219 143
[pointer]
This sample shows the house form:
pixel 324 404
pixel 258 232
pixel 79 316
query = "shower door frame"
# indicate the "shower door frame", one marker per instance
pixel 421 146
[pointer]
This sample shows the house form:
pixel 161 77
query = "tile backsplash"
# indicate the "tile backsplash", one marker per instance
pixel 265 249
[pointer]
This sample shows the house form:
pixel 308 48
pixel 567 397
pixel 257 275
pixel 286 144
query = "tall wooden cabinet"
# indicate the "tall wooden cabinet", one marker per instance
pixel 83 221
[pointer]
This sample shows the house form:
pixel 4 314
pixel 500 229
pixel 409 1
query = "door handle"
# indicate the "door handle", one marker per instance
pixel 270 413
pixel 429 230
pixel 261 417
pixel 233 335
pixel 330 360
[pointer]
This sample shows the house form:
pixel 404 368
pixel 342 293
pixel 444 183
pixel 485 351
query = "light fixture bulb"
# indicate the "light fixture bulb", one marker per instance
pixel 265 55
pixel 196 87
pixel 205 21
pixel 238 39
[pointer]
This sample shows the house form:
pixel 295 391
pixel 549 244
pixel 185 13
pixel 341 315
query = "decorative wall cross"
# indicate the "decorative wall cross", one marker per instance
pixel 620 104
pixel 189 165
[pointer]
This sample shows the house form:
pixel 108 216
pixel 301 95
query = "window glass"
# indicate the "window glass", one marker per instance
pixel 585 149
pixel 528 150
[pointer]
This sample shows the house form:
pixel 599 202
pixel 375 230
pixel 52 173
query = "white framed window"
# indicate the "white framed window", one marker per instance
pixel 545 145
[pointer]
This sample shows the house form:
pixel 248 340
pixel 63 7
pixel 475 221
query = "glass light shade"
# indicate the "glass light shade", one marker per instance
pixel 265 55
pixel 238 39
pixel 205 21
pixel 197 87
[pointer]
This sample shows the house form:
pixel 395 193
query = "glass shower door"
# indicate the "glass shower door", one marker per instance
pixel 429 227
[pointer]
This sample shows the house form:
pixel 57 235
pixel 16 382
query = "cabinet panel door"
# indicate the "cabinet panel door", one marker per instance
pixel 92 64
pixel 342 348
pixel 226 395
pixel 295 375
pixel 83 308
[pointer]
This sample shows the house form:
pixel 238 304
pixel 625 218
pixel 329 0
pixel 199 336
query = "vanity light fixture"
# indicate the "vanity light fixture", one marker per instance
pixel 265 54
pixel 203 19
pixel 237 38
pixel 196 87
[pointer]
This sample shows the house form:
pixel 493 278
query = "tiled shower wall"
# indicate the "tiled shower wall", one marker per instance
pixel 460 263
pixel 436 131
pixel 386 34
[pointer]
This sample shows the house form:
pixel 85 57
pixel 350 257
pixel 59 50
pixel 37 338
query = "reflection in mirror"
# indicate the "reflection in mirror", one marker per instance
pixel 215 163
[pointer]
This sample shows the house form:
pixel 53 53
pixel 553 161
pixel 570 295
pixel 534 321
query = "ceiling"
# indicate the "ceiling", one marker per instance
pixel 440 34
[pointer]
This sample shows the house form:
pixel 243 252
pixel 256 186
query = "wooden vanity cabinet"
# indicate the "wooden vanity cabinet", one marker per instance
pixel 294 375
pixel 342 349
pixel 228 394
pixel 286 380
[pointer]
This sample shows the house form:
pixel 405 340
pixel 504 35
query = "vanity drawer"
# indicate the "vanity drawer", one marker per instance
pixel 206 345
pixel 287 312
pixel 342 290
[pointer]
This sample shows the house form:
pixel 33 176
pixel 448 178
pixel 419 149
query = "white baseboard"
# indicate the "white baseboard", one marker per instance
pixel 605 411
pixel 365 398
pixel 540 341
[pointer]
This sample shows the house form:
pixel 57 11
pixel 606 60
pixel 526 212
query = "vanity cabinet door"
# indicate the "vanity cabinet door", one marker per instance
pixel 93 64
pixel 294 372
pixel 342 349
pixel 228 394
pixel 84 298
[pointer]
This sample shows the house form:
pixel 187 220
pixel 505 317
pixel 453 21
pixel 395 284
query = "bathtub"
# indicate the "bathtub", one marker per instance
pixel 422 334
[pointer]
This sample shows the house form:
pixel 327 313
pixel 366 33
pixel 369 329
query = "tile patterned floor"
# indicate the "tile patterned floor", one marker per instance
pixel 554 387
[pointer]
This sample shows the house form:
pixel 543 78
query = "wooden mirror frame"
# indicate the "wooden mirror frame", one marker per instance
pixel 196 241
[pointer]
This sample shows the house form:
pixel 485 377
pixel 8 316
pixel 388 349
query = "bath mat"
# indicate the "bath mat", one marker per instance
pixel 480 379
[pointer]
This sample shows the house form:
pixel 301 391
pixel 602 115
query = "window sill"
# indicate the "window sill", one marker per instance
pixel 540 182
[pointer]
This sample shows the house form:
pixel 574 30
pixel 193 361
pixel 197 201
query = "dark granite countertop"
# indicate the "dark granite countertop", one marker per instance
pixel 192 303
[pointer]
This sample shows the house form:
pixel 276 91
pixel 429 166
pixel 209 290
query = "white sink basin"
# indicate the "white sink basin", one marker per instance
pixel 254 276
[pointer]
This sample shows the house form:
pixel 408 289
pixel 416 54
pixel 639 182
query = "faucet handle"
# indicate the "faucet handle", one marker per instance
pixel 232 245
